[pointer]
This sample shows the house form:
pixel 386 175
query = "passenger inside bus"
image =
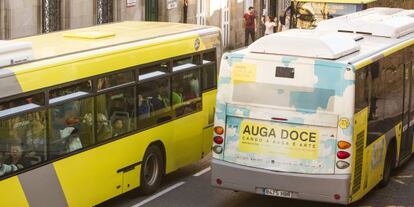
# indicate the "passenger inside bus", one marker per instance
pixel 103 129
pixel 16 160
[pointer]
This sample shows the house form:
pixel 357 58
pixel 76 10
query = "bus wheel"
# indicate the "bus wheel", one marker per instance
pixel 388 165
pixel 151 170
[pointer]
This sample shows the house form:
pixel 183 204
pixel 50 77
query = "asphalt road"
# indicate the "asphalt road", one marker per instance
pixel 190 187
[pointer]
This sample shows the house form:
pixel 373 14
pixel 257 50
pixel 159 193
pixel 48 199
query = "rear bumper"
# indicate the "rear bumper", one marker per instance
pixel 306 187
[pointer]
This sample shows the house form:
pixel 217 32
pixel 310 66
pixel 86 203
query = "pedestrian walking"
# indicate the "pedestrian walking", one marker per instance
pixel 249 25
pixel 270 24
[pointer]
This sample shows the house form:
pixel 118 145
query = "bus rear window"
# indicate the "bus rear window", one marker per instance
pixel 299 98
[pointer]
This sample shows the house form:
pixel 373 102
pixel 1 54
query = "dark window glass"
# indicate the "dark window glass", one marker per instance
pixel 185 63
pixel 115 113
pixel 21 104
pixel 71 126
pixel 115 80
pixel 209 57
pixel 70 92
pixel 186 95
pixel 209 76
pixel 22 142
pixel 362 87
pixel 153 102
pixel 153 71
pixel 375 97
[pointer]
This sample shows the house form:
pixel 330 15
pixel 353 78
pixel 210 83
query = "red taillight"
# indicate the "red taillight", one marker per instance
pixel 218 140
pixel 219 130
pixel 218 181
pixel 343 154
pixel 337 197
pixel 344 145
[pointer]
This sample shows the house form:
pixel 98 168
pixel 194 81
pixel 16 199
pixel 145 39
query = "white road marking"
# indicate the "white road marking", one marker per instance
pixel 159 194
pixel 202 172
pixel 403 176
pixel 398 181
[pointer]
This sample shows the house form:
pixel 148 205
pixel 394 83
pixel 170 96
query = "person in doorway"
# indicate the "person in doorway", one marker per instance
pixel 249 25
pixel 270 24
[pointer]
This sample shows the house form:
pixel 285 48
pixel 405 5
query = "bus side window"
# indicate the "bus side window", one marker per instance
pixel 153 102
pixel 115 80
pixel 361 89
pixel 71 122
pixel 186 94
pixel 115 113
pixel 23 136
pixel 209 71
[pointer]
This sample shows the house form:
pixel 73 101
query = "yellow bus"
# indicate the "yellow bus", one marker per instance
pixel 322 115
pixel 91 113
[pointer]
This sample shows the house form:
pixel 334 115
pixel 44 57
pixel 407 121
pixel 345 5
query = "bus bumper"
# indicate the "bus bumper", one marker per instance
pixel 303 186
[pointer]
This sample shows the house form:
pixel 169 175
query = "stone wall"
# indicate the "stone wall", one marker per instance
pixel 21 18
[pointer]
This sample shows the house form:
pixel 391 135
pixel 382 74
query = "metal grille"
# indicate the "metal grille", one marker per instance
pixel 359 156
pixel 50 15
pixel 104 11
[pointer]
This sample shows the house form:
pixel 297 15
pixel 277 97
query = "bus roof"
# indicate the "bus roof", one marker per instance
pixel 366 36
pixel 77 40
pixel 338 1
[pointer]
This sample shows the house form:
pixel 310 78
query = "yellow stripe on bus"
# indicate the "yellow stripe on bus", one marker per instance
pixel 12 190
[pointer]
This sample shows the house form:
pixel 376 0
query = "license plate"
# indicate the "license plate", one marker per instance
pixel 277 193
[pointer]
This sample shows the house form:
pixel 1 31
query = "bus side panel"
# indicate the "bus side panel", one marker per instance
pixel 89 65
pixel 359 161
pixel 368 162
pixel 95 172
pixel 209 101
pixel 12 193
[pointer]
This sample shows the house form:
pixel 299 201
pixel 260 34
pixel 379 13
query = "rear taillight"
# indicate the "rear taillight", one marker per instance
pixel 343 154
pixel 219 130
pixel 344 145
pixel 218 149
pixel 218 140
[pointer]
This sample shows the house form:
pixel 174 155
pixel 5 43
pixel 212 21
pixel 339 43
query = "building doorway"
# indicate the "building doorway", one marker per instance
pixel 151 10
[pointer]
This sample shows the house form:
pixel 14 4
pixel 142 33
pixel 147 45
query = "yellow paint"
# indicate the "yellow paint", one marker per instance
pixel 343 123
pixel 279 140
pixel 86 66
pixel 209 103
pixel 243 72
pixel 360 125
pixel 89 34
pixel 398 136
pixel 12 193
pixel 376 156
pixel 339 1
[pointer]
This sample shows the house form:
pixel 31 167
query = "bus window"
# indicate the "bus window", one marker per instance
pixel 209 77
pixel 21 104
pixel 153 71
pixel 186 92
pixel 362 81
pixel 115 113
pixel 71 126
pixel 115 80
pixel 22 141
pixel 186 62
pixel 209 57
pixel 70 92
pixel 153 102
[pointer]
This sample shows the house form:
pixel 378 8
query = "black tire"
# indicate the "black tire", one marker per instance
pixel 152 170
pixel 388 165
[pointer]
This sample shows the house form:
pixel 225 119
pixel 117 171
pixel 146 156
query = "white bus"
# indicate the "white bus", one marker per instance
pixel 321 115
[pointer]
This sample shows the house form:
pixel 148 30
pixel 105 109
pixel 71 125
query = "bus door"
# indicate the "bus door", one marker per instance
pixel 407 131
